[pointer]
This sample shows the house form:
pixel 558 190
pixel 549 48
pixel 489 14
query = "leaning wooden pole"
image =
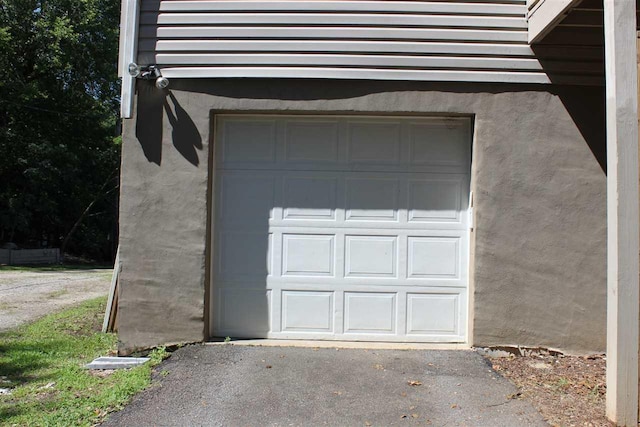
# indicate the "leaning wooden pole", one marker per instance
pixel 623 230
pixel 108 323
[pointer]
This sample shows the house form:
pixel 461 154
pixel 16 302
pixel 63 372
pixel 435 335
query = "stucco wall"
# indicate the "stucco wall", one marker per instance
pixel 539 262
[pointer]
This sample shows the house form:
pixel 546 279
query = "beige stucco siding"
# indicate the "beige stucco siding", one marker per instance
pixel 539 260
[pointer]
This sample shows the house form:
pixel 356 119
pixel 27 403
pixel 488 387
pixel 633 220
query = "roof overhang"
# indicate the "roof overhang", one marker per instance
pixel 544 15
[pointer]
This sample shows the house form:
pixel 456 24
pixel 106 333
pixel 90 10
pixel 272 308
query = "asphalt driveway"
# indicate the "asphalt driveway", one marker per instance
pixel 231 385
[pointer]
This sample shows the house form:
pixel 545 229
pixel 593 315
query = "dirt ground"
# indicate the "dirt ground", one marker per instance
pixel 567 390
pixel 28 295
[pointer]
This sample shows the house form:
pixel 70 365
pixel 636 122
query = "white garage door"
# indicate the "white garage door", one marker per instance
pixel 341 228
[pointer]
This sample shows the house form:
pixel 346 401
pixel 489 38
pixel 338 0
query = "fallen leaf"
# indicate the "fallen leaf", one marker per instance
pixel 415 415
pixel 337 393
pixel 403 394
pixel 411 408
pixel 454 406
pixel 378 366
pixel 414 382
pixel 368 424
pixel 404 416
pixel 268 366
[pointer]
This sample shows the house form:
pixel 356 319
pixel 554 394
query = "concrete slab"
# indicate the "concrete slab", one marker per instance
pixel 343 344
pixel 257 386
pixel 116 362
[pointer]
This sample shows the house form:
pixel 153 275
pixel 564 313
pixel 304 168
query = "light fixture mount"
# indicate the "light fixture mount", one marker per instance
pixel 148 72
pixel 133 69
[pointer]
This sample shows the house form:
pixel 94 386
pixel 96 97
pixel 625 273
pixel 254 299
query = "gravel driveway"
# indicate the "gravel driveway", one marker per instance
pixel 229 385
pixel 28 295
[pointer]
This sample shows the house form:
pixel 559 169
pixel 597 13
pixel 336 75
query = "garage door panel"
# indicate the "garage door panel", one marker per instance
pixel 370 313
pixel 371 256
pixel 439 144
pixel 433 314
pixel 345 144
pixel 363 283
pixel 307 311
pixel 244 255
pixel 374 143
pixel 349 236
pixel 247 198
pixel 308 254
pixel 424 257
pixel 311 141
pixel 244 312
pixel 355 226
pixel 433 257
pixel 434 199
pixel 372 198
pixel 359 285
pixel 310 197
pixel 249 141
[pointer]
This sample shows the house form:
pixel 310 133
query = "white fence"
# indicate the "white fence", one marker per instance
pixel 29 256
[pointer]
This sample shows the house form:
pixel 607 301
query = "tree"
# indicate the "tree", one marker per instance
pixel 59 98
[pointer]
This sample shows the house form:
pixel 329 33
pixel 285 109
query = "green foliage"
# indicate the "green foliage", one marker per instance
pixel 59 97
pixel 43 362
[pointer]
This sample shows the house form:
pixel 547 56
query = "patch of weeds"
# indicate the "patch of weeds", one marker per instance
pixel 58 293
pixel 562 383
pixel 227 339
pixel 43 363
pixel 106 276
pixel 7 307
pixel 598 392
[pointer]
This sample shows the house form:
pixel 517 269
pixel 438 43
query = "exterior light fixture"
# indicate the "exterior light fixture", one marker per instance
pixel 133 69
pixel 162 82
pixel 148 72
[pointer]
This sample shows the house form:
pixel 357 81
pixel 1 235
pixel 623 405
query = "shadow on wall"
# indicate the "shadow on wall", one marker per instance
pixel 587 109
pixel 585 104
pixel 152 105
pixel 585 55
pixel 321 89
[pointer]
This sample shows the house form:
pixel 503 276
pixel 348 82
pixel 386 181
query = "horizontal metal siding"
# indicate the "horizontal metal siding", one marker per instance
pixel 483 41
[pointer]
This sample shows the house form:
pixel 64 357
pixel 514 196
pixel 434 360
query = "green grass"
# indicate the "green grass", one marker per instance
pixel 52 267
pixel 42 363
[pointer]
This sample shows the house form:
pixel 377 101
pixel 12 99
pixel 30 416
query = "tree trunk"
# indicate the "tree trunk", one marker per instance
pixel 100 194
